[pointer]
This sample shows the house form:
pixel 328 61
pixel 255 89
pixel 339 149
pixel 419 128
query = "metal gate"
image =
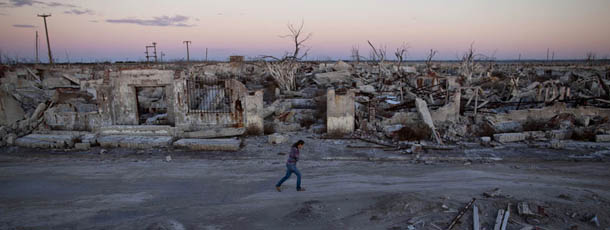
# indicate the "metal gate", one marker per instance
pixel 208 95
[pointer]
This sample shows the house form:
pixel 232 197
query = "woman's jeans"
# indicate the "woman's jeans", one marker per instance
pixel 290 168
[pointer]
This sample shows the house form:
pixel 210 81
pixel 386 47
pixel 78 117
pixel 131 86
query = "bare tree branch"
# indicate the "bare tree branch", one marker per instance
pixel 296 36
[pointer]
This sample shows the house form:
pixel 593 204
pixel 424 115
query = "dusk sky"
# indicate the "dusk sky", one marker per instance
pixel 99 30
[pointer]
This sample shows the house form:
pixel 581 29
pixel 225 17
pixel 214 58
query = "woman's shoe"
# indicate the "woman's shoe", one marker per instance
pixel 300 189
pixel 278 188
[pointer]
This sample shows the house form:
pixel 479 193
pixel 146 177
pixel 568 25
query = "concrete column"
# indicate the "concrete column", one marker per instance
pixel 254 113
pixel 340 110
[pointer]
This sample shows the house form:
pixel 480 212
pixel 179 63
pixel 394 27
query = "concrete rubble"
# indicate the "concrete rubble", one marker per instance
pixel 165 105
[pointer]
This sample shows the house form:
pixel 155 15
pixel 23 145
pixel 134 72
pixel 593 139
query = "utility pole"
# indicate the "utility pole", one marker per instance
pixel 206 54
pixel 44 17
pixel 37 59
pixel 155 50
pixel 188 58
pixel 519 57
pixel 547 55
pixel 148 56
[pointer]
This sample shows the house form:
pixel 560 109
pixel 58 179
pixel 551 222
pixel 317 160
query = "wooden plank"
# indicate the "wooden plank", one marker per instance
pixel 33 75
pixel 506 216
pixel 475 218
pixel 71 79
pixel 499 219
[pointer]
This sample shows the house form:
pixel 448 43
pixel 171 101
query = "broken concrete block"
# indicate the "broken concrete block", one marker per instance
pixel 281 127
pixel 332 77
pixel 36 143
pixel 485 139
pixel 227 144
pixel 3 132
pixel 390 130
pixel 215 132
pixel 46 141
pixel 137 130
pixel 82 146
pixel 417 148
pixel 10 109
pixel 342 66
pixel 138 142
pixel 11 138
pixel 89 138
pixel 560 134
pixel 276 139
pixel 507 127
pixel 367 89
pixel 424 113
pixel 556 144
pixel 602 138
pixel 450 111
pixel 534 135
pixel 509 137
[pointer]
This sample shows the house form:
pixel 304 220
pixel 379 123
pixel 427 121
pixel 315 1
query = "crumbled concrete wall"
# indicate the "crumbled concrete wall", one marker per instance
pixel 125 106
pixel 549 112
pixel 186 121
pixel 450 111
pixel 10 110
pixel 59 120
pixel 340 113
pixel 254 113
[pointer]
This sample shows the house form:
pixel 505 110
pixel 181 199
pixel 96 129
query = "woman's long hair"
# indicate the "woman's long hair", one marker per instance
pixel 300 142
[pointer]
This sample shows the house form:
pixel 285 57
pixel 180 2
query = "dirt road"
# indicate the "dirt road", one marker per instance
pixel 188 193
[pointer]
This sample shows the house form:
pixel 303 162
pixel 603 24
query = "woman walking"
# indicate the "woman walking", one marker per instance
pixel 291 166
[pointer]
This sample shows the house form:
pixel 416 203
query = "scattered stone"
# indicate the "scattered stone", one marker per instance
pixel 523 209
pixel 82 146
pixel 103 151
pixel 168 158
pixel 277 138
pixel 602 138
pixel 565 196
pixel 493 193
pixel 417 148
pixel 485 139
pixel 557 145
pixel 509 137
pixel 11 138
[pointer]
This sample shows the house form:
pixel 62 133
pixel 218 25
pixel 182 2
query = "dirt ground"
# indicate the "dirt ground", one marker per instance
pixel 139 189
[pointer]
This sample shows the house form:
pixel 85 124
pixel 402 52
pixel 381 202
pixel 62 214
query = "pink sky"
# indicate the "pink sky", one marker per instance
pixel 118 30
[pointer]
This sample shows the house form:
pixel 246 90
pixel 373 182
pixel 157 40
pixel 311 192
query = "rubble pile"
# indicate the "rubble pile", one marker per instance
pixel 394 103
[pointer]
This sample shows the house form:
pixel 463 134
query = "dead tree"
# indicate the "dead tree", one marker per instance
pixel 401 55
pixel 590 58
pixel 284 70
pixel 431 55
pixel 284 73
pixel 377 54
pixel 356 54
pixel 296 36
pixel 467 65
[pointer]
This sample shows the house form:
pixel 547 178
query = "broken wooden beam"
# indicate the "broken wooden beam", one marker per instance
pixel 457 218
pixel 476 225
pixel 499 217
pixel 506 216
